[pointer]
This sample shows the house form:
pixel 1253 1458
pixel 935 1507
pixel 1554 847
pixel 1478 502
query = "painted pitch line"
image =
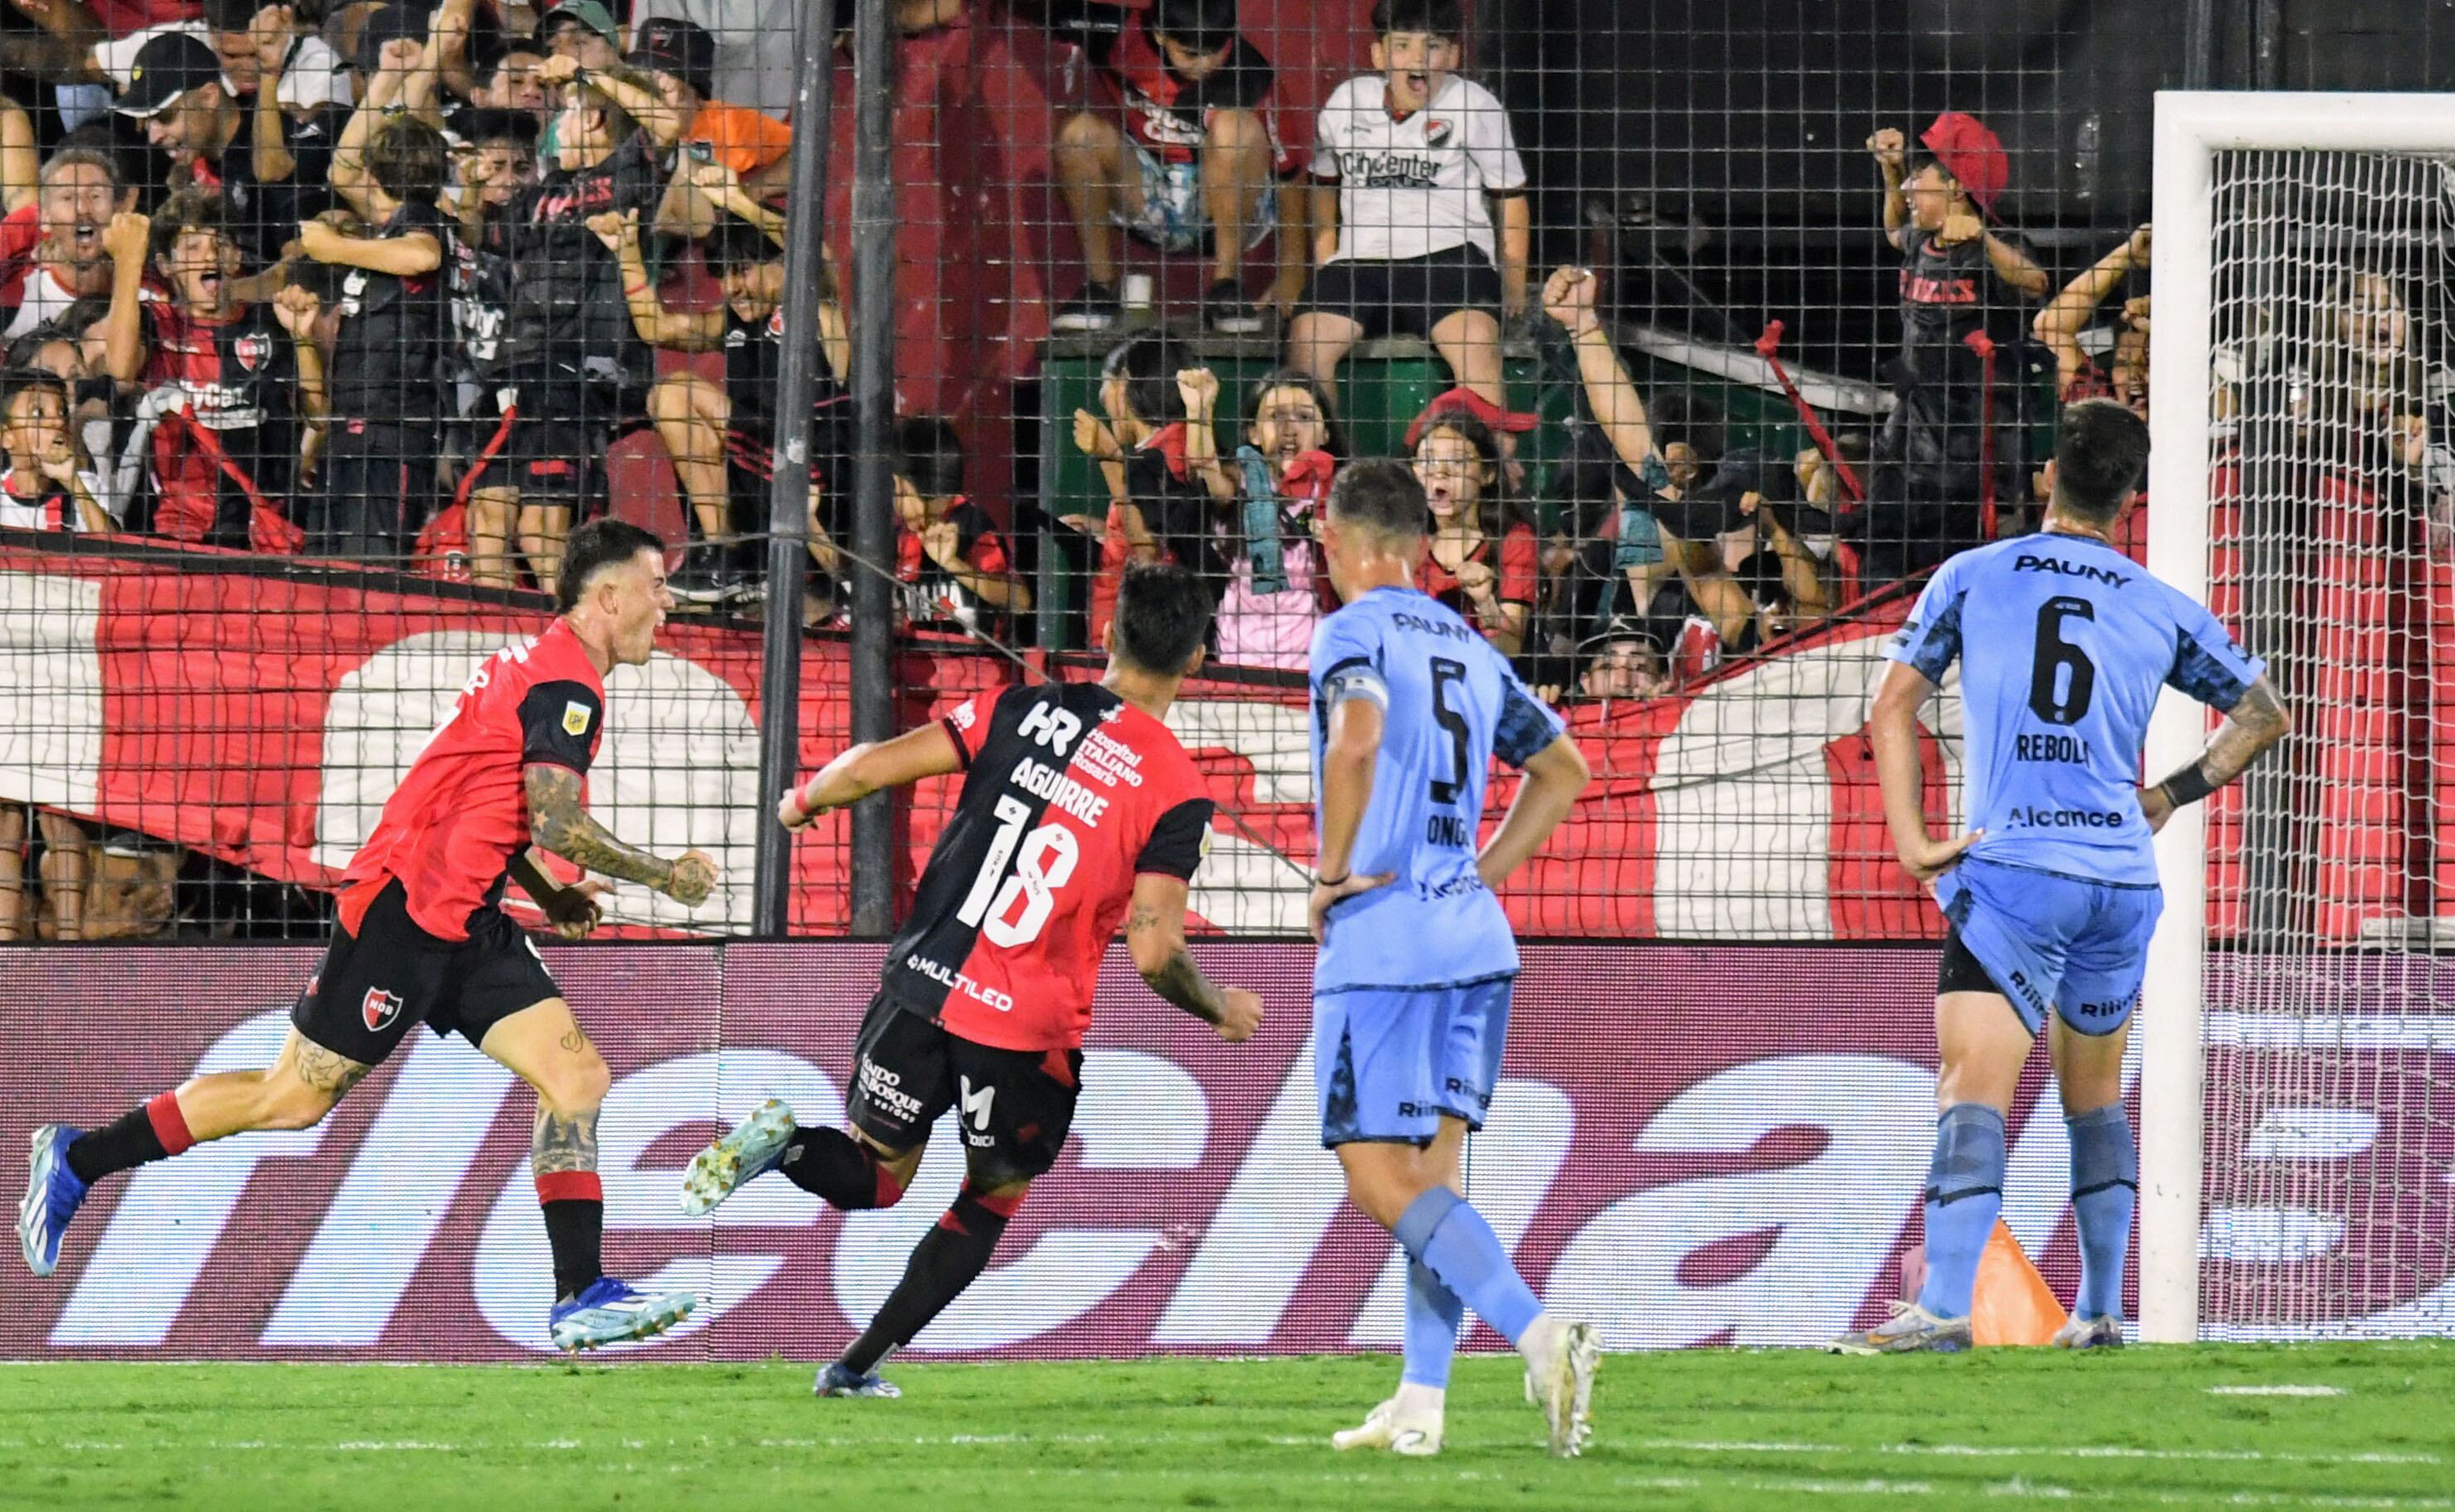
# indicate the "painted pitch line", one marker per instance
pixel 1996 1451
pixel 2277 1391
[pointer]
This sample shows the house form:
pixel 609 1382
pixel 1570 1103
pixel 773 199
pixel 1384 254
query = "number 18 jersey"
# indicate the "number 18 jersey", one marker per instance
pixel 1069 793
pixel 2064 642
pixel 1450 703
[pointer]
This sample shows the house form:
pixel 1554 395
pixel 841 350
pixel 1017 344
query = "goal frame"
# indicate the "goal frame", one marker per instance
pixel 2192 125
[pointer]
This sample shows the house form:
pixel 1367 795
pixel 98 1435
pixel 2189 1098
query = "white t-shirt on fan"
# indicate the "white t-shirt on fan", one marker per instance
pixel 1411 188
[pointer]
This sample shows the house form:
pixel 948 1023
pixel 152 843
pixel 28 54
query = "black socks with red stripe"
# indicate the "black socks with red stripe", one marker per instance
pixel 574 1206
pixel 832 1164
pixel 948 1259
pixel 154 1131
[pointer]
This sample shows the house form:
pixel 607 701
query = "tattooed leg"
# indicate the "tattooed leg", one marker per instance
pixel 546 1044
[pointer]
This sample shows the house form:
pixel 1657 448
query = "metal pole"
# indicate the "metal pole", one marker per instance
pixel 779 701
pixel 873 489
pixel 2199 43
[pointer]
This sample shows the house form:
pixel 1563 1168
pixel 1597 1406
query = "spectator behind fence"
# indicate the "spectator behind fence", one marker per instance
pixel 2359 414
pixel 1277 587
pixel 257 42
pixel 1183 153
pixel 496 163
pixel 267 188
pixel 60 913
pixel 384 438
pixel 1483 559
pixel 49 485
pixel 104 420
pixel 754 45
pixel 1158 510
pixel 952 570
pixel 504 77
pixel 1619 661
pixel 1401 162
pixel 238 375
pixel 1672 509
pixel 570 355
pixel 1925 497
pixel 56 257
pixel 679 60
pixel 2061 326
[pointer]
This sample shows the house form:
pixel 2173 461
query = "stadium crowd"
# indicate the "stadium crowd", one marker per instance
pixel 387 283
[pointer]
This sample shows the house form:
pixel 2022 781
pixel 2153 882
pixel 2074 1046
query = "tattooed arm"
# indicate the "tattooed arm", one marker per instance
pixel 1155 938
pixel 2254 724
pixel 558 823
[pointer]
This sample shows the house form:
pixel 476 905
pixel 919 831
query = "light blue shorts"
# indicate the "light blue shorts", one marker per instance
pixel 1172 218
pixel 1389 1063
pixel 2051 943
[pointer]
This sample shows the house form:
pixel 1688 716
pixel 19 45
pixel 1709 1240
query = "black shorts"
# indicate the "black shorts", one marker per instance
pixel 375 984
pixel 378 488
pixel 1015 1105
pixel 1405 296
pixel 1961 969
pixel 551 461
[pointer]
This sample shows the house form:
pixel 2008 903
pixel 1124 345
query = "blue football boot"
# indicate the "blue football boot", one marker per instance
pixel 53 1196
pixel 612 1312
pixel 839 1381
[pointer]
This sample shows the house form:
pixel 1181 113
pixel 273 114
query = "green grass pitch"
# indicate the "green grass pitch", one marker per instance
pixel 2369 1425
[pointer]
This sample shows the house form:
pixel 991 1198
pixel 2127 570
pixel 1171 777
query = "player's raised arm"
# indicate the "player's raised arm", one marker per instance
pixel 1155 938
pixel 2254 722
pixel 559 824
pixel 872 767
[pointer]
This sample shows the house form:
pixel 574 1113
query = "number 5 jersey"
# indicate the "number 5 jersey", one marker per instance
pixel 1069 793
pixel 2062 643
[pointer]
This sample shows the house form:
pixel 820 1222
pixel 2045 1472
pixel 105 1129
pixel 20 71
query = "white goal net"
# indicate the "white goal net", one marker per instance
pixel 2316 509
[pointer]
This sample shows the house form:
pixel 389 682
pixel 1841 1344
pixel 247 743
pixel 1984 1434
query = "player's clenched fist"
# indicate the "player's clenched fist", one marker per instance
pixel 692 878
pixel 1239 1014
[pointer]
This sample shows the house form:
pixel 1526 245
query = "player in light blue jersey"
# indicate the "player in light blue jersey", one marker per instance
pixel 2064 643
pixel 1411 990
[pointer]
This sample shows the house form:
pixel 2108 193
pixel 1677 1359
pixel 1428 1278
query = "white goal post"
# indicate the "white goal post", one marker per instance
pixel 2193 132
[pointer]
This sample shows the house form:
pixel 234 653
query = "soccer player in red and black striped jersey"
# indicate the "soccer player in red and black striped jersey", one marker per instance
pixel 422 937
pixel 1077 803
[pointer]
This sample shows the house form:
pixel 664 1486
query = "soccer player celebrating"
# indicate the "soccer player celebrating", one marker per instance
pixel 2052 894
pixel 1076 802
pixel 1411 990
pixel 423 938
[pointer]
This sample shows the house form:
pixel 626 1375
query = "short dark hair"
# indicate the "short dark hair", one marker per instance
pixel 1202 26
pixel 1439 18
pixel 1678 416
pixel 484 127
pixel 188 209
pixel 2101 450
pixel 1163 616
pixel 231 15
pixel 408 159
pixel 1148 361
pixel 593 547
pixel 83 315
pixel 732 242
pixel 16 380
pixel 929 456
pixel 1381 495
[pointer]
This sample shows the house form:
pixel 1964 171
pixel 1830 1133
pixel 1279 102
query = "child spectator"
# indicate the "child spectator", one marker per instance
pixel 1484 561
pixel 1403 160
pixel 50 484
pixel 1184 154
pixel 722 439
pixel 268 185
pixel 384 438
pixel 570 355
pixel 115 438
pixel 1159 510
pixel 241 372
pixel 754 45
pixel 951 565
pixel 2078 375
pixel 1925 498
pixel 1277 587
pixel 506 78
pixel 79 189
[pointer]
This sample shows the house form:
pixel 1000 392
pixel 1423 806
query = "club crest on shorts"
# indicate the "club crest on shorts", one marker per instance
pixel 379 1008
pixel 254 351
pixel 575 717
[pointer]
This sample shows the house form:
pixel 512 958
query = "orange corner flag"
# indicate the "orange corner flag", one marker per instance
pixel 2013 1304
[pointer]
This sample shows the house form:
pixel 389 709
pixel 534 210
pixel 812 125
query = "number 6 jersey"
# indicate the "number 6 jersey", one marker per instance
pixel 1069 793
pixel 2062 643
